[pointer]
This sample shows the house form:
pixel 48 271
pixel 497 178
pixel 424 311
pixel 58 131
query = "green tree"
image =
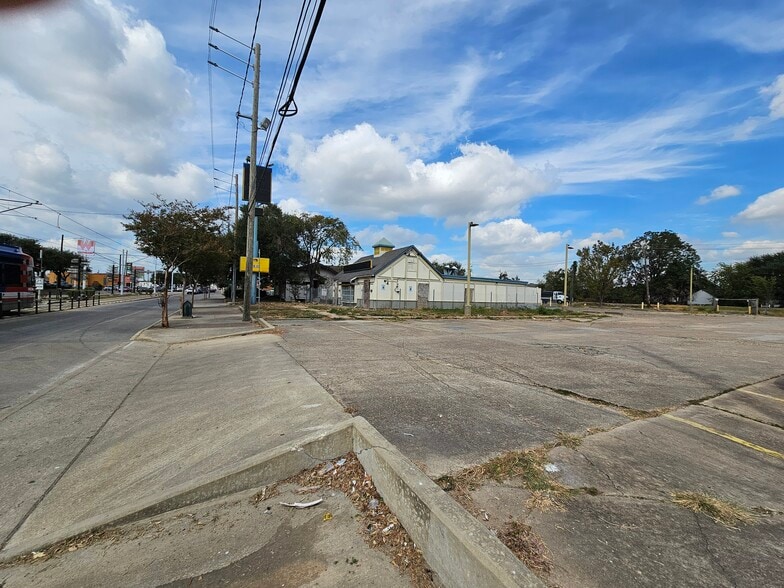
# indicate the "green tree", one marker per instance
pixel 279 240
pixel 324 239
pixel 450 268
pixel 600 267
pixel 658 265
pixel 175 232
pixel 29 246
pixel 552 280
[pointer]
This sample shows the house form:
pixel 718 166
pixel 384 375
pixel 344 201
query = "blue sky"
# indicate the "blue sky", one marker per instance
pixel 545 122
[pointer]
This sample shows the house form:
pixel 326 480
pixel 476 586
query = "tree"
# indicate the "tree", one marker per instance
pixel 279 235
pixel 29 246
pixel 175 232
pixel 658 266
pixel 552 280
pixel 212 264
pixel 599 268
pixel 449 268
pixel 324 239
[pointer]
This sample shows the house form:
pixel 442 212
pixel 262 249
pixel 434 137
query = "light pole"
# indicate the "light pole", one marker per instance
pixel 467 307
pixel 566 272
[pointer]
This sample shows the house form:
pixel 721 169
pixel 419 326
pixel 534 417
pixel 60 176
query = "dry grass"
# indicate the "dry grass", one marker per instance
pixel 569 440
pixel 381 527
pixel 526 545
pixel 720 511
pixel 636 414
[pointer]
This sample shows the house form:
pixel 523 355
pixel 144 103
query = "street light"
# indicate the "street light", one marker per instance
pixel 467 307
pixel 566 272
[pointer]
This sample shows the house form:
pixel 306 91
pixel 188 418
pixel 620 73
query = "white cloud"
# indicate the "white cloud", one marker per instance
pixel 768 207
pixel 44 169
pixel 754 32
pixel 108 72
pixel 650 146
pixel 723 191
pixel 360 172
pixel 187 182
pixel 607 237
pixel 776 91
pixel 291 206
pixel 751 248
pixel 513 235
pixel 730 234
pixel 397 235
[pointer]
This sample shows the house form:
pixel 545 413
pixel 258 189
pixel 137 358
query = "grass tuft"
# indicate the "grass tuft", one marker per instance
pixel 528 546
pixel 725 513
pixel 569 440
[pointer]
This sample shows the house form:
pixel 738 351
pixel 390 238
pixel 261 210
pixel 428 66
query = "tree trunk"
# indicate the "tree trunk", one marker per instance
pixel 165 303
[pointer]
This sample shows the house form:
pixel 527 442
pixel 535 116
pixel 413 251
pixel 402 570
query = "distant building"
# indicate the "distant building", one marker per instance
pixel 702 298
pixel 404 278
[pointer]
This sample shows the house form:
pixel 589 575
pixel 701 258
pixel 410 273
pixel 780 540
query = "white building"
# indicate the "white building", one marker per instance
pixel 702 298
pixel 404 278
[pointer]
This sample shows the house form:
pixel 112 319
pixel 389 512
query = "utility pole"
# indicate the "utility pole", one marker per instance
pixel 254 133
pixel 691 284
pixel 122 273
pixel 236 220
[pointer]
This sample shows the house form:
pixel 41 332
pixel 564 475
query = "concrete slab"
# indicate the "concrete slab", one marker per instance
pixel 763 402
pixel 232 541
pixel 444 415
pixel 654 457
pixel 41 439
pixel 622 541
pixel 183 422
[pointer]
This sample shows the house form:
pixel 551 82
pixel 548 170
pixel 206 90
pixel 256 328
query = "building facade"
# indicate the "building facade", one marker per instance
pixel 404 278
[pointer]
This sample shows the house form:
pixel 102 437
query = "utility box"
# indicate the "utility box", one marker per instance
pixel 187 309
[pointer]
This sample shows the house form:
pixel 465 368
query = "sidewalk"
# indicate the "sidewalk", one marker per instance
pixel 177 474
pixel 190 404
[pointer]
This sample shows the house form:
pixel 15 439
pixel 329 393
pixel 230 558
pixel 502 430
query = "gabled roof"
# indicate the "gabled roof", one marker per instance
pixel 377 264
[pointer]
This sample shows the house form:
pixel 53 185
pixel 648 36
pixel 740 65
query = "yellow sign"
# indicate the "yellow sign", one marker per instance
pixel 260 264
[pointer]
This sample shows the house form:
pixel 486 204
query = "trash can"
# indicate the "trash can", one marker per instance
pixel 187 308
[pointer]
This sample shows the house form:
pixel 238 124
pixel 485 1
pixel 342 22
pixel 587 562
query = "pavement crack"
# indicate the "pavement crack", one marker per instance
pixel 600 470
pixel 717 560
pixel 79 453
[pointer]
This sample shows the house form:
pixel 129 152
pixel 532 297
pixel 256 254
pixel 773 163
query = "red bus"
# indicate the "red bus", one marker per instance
pixel 17 278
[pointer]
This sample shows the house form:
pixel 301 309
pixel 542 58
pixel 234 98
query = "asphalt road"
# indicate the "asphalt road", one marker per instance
pixel 40 349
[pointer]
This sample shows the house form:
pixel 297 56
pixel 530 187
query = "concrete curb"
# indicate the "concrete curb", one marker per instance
pixel 457 547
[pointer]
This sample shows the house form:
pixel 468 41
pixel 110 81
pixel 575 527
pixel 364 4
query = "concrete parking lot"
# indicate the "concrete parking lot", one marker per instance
pixel 663 403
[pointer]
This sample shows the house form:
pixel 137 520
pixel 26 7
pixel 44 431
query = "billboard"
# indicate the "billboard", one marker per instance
pixel 85 247
pixel 263 183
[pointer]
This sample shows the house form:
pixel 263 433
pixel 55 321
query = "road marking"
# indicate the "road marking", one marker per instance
pixel 732 438
pixel 763 395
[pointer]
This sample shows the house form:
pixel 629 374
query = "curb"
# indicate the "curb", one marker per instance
pixel 457 547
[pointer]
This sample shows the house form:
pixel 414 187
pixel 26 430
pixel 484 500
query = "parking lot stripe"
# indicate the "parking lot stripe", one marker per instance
pixel 759 394
pixel 732 438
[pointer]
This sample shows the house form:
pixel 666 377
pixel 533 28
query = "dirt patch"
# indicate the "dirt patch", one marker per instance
pixel 381 528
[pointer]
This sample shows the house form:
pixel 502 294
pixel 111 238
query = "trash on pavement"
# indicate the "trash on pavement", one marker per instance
pixel 302 504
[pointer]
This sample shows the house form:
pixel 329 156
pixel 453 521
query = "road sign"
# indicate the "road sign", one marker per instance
pixel 39 283
pixel 260 264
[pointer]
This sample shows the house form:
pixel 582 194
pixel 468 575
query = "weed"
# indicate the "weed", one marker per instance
pixel 720 511
pixel 526 545
pixel 569 440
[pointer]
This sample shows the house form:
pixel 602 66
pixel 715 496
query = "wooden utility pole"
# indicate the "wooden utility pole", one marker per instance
pixel 234 248
pixel 251 216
